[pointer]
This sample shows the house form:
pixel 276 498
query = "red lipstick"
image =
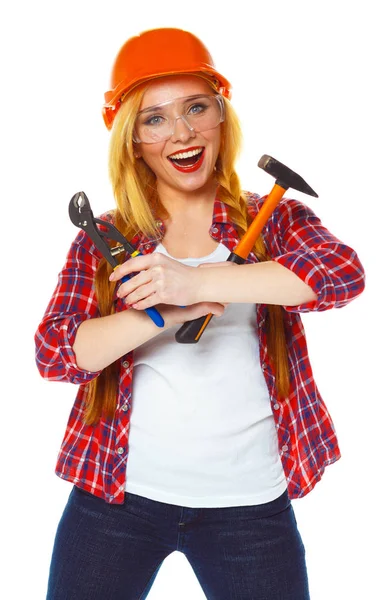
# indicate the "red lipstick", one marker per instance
pixel 188 168
pixel 186 150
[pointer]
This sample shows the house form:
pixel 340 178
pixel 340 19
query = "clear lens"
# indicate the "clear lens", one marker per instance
pixel 199 113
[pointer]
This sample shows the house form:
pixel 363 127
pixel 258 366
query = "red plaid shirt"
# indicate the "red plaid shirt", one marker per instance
pixel 94 457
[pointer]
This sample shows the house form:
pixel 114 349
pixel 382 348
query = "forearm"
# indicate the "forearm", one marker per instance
pixel 101 341
pixel 261 283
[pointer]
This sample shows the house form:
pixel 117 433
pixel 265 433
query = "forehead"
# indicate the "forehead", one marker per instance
pixel 176 86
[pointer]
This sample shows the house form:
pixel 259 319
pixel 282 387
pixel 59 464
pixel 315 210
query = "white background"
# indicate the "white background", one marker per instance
pixel 307 79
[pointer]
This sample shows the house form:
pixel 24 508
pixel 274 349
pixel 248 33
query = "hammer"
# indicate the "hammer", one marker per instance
pixel 191 331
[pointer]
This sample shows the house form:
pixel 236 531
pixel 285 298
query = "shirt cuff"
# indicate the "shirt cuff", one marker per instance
pixel 310 269
pixel 67 334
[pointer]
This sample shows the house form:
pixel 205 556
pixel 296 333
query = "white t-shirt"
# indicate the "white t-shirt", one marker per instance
pixel 202 433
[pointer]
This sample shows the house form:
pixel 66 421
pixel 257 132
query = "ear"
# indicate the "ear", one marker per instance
pixel 136 151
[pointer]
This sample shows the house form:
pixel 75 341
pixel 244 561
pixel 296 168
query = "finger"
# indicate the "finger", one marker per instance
pixel 141 294
pixel 145 303
pixel 134 283
pixel 133 265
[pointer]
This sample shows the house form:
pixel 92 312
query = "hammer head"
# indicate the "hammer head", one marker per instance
pixel 285 177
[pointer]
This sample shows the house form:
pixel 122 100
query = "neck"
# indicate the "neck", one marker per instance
pixel 182 204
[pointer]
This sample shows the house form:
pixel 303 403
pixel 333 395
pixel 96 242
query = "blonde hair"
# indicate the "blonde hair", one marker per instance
pixel 139 207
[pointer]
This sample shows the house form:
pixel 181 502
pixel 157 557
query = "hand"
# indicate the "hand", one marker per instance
pixel 177 316
pixel 159 279
pixel 174 315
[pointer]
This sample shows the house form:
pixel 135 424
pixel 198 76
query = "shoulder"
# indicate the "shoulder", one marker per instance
pixel 253 202
pixel 252 199
pixel 109 216
pixel 288 209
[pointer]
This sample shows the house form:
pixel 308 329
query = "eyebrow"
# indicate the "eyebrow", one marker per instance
pixel 159 107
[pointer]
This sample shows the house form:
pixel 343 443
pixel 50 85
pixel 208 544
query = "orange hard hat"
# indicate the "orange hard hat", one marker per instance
pixel 157 53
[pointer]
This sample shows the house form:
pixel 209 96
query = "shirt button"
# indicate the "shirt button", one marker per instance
pixel 276 406
pixel 120 450
pixel 147 246
pixel 125 364
pixel 125 407
pixel 263 365
pixel 215 230
pixel 284 448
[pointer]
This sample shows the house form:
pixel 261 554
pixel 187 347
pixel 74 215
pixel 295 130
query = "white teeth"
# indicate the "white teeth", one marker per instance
pixel 186 154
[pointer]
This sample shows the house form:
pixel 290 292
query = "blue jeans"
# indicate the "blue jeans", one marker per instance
pixel 114 552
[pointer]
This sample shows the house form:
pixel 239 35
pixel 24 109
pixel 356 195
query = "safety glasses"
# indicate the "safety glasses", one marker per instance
pixel 198 113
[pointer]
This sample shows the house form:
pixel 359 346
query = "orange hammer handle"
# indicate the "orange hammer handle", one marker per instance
pixel 249 238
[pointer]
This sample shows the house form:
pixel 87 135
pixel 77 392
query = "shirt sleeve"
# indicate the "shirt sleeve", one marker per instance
pixel 331 268
pixel 72 302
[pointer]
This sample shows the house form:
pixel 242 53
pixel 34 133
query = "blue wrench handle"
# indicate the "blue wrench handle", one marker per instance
pixel 155 316
pixel 152 311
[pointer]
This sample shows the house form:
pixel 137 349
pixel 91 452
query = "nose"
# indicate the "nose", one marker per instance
pixel 182 130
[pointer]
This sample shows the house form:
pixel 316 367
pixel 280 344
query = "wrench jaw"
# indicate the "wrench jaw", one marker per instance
pixel 79 210
pixel 80 200
pixel 98 230
pixel 82 216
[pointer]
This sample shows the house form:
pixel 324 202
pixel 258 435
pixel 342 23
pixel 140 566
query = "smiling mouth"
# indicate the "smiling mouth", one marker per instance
pixel 187 160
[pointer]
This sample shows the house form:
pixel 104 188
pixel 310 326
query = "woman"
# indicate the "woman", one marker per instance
pixel 197 448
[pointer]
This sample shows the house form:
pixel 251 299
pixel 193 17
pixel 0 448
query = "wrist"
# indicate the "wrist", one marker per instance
pixel 203 285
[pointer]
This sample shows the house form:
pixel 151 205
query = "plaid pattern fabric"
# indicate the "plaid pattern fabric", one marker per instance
pixel 94 457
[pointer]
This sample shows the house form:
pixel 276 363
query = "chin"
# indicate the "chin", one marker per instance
pixel 195 183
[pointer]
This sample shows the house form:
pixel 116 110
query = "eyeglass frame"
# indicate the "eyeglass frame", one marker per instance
pixel 219 98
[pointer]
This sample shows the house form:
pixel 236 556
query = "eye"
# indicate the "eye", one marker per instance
pixel 154 120
pixel 197 108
